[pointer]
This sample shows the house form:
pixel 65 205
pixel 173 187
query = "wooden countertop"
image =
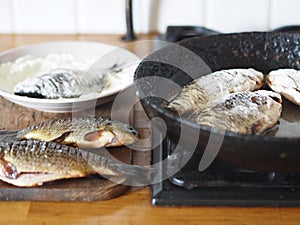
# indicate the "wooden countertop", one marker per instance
pixel 133 207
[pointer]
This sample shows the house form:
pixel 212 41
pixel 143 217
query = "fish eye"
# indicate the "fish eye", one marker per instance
pixel 108 122
pixel 132 130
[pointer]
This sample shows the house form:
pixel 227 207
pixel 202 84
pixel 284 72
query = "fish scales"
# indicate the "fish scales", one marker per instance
pixel 60 83
pixel 46 157
pixel 33 162
pixel 89 132
pixel 66 83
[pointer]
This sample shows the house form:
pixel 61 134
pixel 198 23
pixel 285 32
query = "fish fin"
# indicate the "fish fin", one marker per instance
pixel 8 170
pixel 62 137
pixel 7 135
pixel 137 175
pixel 133 175
pixel 104 164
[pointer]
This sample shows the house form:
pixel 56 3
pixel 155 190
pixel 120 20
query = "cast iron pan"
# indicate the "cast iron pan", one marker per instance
pixel 276 151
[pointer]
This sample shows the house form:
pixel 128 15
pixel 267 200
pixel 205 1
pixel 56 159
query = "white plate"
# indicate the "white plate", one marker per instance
pixel 99 55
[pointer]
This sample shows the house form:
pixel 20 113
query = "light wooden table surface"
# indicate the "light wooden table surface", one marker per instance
pixel 133 207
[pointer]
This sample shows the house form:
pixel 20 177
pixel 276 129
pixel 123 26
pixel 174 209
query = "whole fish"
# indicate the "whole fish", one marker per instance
pixel 65 83
pixel 285 82
pixel 215 85
pixel 29 163
pixel 243 113
pixel 83 132
pixel 61 83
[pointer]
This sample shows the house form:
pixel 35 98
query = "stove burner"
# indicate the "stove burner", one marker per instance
pixel 221 184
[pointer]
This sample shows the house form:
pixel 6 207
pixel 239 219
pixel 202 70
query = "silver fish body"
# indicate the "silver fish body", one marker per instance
pixel 32 162
pixel 60 83
pixel 243 113
pixel 215 85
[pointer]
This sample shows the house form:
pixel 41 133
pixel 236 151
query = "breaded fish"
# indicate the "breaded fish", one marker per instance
pixel 285 82
pixel 84 132
pixel 32 162
pixel 215 85
pixel 56 84
pixel 65 83
pixel 243 113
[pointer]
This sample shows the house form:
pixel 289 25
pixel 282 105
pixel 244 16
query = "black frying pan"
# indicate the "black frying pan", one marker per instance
pixel 279 150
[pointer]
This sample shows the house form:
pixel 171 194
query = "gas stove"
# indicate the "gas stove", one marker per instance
pixel 220 184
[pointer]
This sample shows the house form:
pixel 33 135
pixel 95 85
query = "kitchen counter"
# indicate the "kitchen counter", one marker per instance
pixel 132 206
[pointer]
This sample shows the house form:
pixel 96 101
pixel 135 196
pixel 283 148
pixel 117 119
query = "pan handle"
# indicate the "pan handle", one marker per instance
pixel 291 28
pixel 178 33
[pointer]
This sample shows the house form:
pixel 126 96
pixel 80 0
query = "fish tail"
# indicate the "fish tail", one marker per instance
pixel 7 136
pixel 128 174
pixel 135 175
pixel 132 175
pixel 107 166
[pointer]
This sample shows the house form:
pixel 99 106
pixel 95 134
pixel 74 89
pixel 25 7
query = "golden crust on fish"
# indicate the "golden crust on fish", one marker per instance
pixel 215 85
pixel 285 82
pixel 243 113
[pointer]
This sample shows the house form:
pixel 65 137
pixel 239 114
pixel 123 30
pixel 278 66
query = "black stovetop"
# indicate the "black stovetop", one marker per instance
pixel 221 184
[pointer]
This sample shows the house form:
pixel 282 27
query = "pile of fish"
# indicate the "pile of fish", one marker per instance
pixel 55 150
pixel 231 100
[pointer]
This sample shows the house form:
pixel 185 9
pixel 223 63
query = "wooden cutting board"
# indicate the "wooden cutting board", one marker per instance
pixel 93 188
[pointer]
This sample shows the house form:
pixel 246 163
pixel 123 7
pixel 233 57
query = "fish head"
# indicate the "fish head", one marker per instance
pixel 123 134
pixel 110 134
pixel 30 87
pixel 269 105
pixel 270 96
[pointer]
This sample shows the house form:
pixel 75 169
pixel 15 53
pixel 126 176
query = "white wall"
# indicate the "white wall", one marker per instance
pixel 108 16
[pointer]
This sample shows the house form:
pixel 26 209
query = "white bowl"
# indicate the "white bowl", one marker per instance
pixel 98 54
